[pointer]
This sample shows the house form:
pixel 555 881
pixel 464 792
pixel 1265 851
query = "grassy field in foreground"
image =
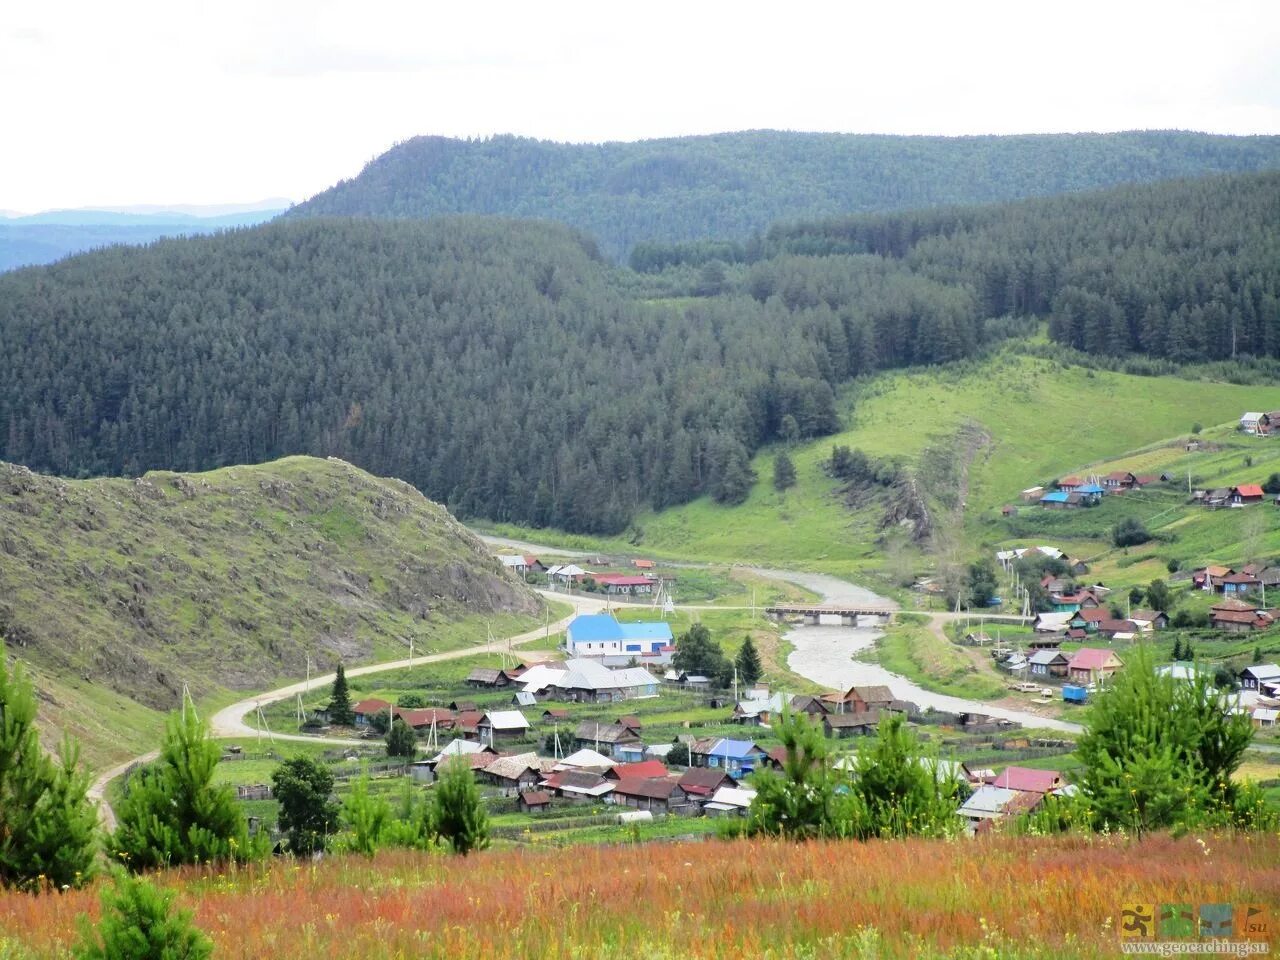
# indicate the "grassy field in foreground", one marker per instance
pixel 1002 897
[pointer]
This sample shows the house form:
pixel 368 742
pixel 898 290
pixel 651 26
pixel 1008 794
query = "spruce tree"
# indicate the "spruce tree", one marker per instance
pixel 340 712
pixel 48 826
pixel 173 813
pixel 458 817
pixel 139 922
pixel 748 662
pixel 784 472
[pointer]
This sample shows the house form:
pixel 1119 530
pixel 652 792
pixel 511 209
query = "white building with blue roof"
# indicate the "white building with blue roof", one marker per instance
pixel 600 635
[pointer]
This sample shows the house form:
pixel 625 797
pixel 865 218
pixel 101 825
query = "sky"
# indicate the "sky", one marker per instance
pixel 200 103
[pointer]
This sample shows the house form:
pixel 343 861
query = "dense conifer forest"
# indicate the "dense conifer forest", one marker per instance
pixel 729 186
pixel 508 369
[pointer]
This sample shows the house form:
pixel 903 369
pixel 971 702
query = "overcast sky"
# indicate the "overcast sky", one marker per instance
pixel 178 102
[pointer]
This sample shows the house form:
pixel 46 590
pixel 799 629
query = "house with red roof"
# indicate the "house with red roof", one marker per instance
pixel 623 584
pixel 1246 494
pixel 366 710
pixel 1239 584
pixel 641 770
pixel 1029 780
pixel 1090 664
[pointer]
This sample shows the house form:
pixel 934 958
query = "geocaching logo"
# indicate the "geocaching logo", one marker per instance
pixel 1183 921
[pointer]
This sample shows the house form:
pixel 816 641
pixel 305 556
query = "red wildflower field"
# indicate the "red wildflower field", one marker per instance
pixel 998 897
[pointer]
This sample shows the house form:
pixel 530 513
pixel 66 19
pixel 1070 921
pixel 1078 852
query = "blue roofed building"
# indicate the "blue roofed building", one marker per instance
pixel 601 635
pixel 736 757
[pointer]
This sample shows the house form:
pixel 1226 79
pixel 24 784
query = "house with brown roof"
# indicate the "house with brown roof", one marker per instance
pixel 1070 483
pixel 1090 665
pixel 513 775
pixel 1029 780
pixel 423 718
pixel 1119 480
pixel 467 722
pixel 807 703
pixel 701 783
pixel 1209 579
pixel 1149 619
pixel 487 677
pixel 841 725
pixel 859 699
pixel 1117 629
pixel 534 801
pixel 580 786
pixel 603 737
pixel 1236 616
pixel 649 793
pixel 366 710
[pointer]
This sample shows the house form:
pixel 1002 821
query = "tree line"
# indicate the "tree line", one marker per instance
pixel 732 186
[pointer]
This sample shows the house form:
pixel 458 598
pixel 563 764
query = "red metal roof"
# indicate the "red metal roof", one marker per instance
pixel 1029 780
pixel 647 768
pixel 621 580
pixel 1090 658
pixel 372 705
pixel 1249 490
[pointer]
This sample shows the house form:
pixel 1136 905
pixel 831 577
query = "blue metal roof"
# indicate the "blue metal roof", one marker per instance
pixel 1090 488
pixel 735 749
pixel 646 631
pixel 1058 496
pixel 594 627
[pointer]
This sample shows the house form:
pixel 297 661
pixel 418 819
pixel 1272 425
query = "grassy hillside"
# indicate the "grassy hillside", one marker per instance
pixel 1013 898
pixel 118 592
pixel 1015 420
pixel 730 185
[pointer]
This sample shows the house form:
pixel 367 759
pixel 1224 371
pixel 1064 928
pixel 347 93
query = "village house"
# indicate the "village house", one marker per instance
pixel 477 755
pixel 623 584
pixel 1070 483
pixel 639 770
pixel 580 786
pixel 1048 663
pixel 841 725
pixel 522 565
pixel 729 802
pixel 1246 494
pixel 604 738
pixel 1055 622
pixel 738 757
pixel 859 699
pixel 1119 480
pixel 366 710
pixel 589 681
pixel 1117 629
pixel 467 722
pixel 701 783
pixel 566 574
pixel 586 759
pixel 1240 584
pixel 1029 780
pixel 1256 423
pixel 502 725
pixel 807 703
pixel 513 775
pixel 1209 579
pixel 988 805
pixel 1236 616
pixel 425 718
pixel 601 635
pixel 487 677
pixel 534 801
pixel 1253 677
pixel 1148 620
pixel 1092 665
pixel 649 793
pixel 1264 716
pixel 759 711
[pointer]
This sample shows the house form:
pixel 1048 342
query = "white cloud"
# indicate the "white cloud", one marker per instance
pixel 162 102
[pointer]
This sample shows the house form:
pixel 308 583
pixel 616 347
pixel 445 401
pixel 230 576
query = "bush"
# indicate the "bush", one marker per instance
pixel 308 814
pixel 458 817
pixel 1129 532
pixel 138 922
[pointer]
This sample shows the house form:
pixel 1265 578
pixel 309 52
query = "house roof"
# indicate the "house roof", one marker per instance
pixel 586 674
pixel 737 797
pixel 1262 671
pixel 1046 657
pixel 1119 475
pixel 621 580
pixel 566 570
pixel 1091 658
pixel 1147 616
pixel 514 561
pixel 586 759
pixel 647 630
pixel 1252 415
pixel 754 707
pixel 535 798
pixel 724 747
pixel 1094 614
pixel 1055 496
pixel 467 719
pixel 594 628
pixel 641 770
pixel 987 802
pixel 507 720
pixel 653 788
pixel 1028 779
pixel 484 675
pixel 1089 488
pixel 580 781
pixel 1117 626
pixel 870 694
pixel 1232 604
pixel 1072 481
pixel 1050 622
pixel 423 717
pixel 703 781
pixel 458 748
pixel 1241 578
pixel 513 768
pixel 1265 714
pixel 370 706
pixel 1259 617
pixel 605 732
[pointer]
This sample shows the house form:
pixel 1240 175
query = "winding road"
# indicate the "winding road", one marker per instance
pixel 821 654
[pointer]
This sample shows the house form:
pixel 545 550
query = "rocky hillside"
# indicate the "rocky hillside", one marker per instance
pixel 229 580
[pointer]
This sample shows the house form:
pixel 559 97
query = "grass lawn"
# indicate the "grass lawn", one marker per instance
pixel 911 649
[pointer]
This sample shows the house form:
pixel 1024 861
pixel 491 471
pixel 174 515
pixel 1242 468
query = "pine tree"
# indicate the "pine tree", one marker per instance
pixel 401 740
pixel 784 472
pixel 1177 649
pixel 340 712
pixel 458 816
pixel 798 801
pixel 173 813
pixel 138 922
pixel 748 662
pixel 898 790
pixel 48 826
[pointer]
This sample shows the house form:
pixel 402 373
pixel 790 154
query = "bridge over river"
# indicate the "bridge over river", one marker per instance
pixel 830 614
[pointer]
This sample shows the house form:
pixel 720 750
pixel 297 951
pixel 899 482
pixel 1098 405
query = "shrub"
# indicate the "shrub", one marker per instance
pixel 1129 532
pixel 458 817
pixel 138 922
pixel 308 814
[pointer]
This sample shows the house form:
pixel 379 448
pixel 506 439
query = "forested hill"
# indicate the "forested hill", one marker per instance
pixel 730 185
pixel 503 367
